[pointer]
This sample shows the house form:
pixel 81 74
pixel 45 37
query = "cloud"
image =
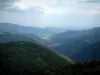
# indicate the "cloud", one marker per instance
pixel 14 9
pixel 18 6
pixel 6 3
pixel 25 5
pixel 31 3
pixel 36 11
pixel 90 1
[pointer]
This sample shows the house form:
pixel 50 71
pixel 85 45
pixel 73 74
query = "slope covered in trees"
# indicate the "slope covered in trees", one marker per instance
pixel 79 68
pixel 73 41
pixel 27 58
pixel 90 52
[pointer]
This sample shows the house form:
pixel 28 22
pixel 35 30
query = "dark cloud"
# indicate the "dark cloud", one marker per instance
pixel 90 1
pixel 6 3
pixel 34 10
pixel 14 10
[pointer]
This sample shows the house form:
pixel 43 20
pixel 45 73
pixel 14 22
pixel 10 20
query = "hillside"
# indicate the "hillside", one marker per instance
pixel 90 52
pixel 73 41
pixel 27 58
pixel 79 68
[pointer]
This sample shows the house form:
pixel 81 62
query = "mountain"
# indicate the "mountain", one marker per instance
pixel 56 30
pixel 27 58
pixel 90 52
pixel 63 37
pixel 14 28
pixel 8 37
pixel 70 42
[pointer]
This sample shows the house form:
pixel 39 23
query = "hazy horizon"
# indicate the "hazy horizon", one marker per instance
pixel 73 14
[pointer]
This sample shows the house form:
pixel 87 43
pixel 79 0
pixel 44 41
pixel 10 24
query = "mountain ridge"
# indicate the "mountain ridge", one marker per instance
pixel 70 45
pixel 28 58
pixel 16 28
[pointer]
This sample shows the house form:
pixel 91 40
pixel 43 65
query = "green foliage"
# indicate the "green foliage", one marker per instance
pixel 27 58
pixel 67 59
pixel 79 68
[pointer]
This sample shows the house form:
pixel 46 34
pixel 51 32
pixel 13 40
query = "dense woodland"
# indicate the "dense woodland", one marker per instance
pixel 27 58
pixel 79 68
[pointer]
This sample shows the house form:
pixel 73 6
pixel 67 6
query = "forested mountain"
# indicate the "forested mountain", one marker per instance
pixel 90 52
pixel 71 42
pixel 26 54
pixel 27 58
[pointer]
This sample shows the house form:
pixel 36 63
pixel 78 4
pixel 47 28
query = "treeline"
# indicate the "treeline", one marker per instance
pixel 79 68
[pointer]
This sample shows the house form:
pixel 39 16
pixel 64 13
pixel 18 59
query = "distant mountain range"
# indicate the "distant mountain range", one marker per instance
pixel 71 42
pixel 8 37
pixel 63 37
pixel 14 28
pixel 54 29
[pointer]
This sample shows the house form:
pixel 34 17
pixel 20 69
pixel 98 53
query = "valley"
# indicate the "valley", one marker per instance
pixel 25 53
pixel 49 37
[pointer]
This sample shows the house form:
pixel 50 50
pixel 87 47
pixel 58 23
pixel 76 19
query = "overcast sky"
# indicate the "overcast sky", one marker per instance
pixel 51 13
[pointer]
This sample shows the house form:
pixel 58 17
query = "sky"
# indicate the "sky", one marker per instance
pixel 70 14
